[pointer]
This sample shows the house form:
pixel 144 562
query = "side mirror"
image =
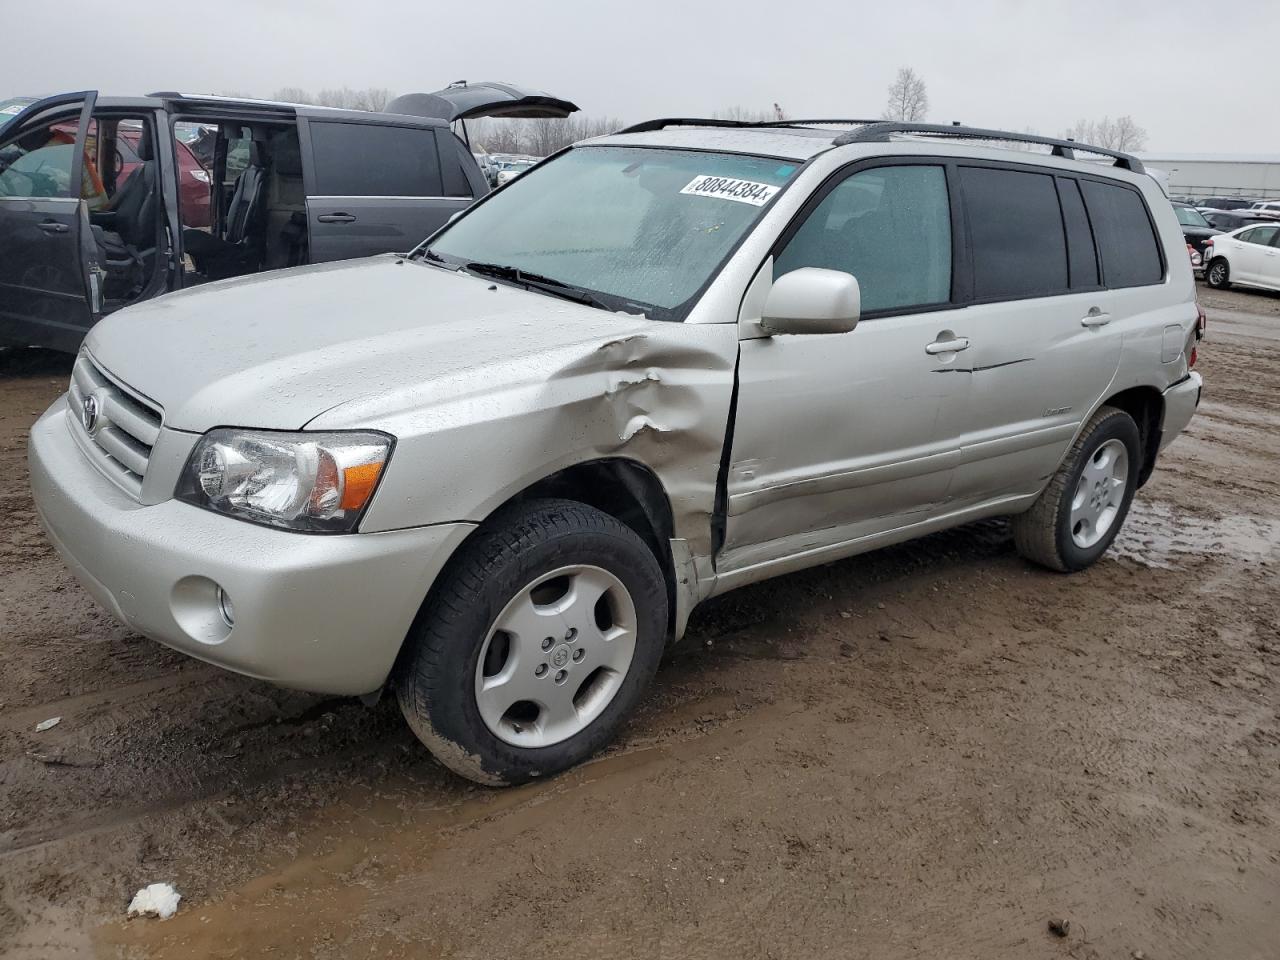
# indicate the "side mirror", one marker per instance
pixel 812 300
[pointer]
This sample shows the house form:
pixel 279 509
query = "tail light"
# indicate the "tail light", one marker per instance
pixel 1191 360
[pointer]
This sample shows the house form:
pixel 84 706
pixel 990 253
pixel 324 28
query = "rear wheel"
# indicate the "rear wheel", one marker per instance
pixel 1082 509
pixel 1218 274
pixel 538 643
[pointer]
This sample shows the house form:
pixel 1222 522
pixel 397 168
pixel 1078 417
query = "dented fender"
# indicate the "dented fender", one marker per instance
pixel 470 440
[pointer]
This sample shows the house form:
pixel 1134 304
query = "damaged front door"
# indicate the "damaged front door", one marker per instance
pixel 842 436
pixel 47 262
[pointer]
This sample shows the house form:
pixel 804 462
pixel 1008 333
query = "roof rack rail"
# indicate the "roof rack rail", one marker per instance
pixel 648 126
pixel 881 131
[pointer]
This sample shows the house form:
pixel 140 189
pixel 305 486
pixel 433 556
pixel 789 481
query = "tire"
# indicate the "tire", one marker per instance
pixel 1218 273
pixel 1076 518
pixel 519 594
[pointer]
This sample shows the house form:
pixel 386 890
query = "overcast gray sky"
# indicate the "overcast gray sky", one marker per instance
pixel 1041 64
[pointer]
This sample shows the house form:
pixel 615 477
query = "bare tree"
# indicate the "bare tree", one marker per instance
pixel 292 95
pixel 370 98
pixel 740 114
pixel 1122 133
pixel 908 98
pixel 374 99
pixel 538 138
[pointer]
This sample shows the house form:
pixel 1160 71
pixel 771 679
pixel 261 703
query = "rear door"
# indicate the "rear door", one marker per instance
pixel 47 255
pixel 1044 345
pixel 373 188
pixel 1249 261
pixel 1270 272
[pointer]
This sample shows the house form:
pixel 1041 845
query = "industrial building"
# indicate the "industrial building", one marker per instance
pixel 1218 174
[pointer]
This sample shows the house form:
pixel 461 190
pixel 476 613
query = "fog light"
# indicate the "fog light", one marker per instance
pixel 226 609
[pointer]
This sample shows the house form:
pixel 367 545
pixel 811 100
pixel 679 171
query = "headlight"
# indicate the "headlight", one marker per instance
pixel 313 482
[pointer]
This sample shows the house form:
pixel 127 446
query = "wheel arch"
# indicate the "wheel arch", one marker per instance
pixel 624 488
pixel 1145 404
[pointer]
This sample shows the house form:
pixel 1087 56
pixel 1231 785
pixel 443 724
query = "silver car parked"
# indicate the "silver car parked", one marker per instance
pixel 498 473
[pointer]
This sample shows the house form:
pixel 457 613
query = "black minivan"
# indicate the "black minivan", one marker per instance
pixel 96 213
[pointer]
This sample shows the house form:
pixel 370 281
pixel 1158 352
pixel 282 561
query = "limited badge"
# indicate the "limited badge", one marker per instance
pixel 727 188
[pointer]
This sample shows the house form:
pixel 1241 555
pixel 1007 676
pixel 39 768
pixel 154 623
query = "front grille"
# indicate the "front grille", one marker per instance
pixel 119 426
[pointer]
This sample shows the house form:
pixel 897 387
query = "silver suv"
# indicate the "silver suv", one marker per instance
pixel 497 473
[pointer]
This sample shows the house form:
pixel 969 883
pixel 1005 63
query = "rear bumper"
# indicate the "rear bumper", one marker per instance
pixel 1180 403
pixel 321 613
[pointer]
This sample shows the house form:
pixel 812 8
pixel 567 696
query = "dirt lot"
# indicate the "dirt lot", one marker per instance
pixel 929 751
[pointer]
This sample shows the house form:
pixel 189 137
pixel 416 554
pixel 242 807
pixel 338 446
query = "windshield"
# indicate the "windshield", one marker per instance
pixel 1190 217
pixel 645 229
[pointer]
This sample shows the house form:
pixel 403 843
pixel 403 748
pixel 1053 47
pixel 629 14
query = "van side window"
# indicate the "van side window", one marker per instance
pixel 1082 255
pixel 888 226
pixel 1018 244
pixel 1122 228
pixel 455 179
pixel 369 160
pixel 38 163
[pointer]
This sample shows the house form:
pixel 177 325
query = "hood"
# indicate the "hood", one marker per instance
pixel 275 351
pixel 1199 233
pixel 462 101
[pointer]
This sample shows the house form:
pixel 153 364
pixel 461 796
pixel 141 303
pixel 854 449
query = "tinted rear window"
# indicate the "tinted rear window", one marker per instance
pixel 1018 245
pixel 366 160
pixel 1126 240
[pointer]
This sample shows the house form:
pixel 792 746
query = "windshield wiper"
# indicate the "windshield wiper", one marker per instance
pixel 536 281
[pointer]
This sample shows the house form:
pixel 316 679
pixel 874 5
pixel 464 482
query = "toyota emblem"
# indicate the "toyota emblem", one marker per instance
pixel 89 413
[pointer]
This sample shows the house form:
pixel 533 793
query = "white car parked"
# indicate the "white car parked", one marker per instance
pixel 1249 256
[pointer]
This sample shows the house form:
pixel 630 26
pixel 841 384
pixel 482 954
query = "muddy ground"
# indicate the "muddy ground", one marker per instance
pixel 928 751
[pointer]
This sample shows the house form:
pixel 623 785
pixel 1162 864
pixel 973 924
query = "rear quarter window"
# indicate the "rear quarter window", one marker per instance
pixel 1126 239
pixel 368 160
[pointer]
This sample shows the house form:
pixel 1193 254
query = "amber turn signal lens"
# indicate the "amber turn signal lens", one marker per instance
pixel 358 484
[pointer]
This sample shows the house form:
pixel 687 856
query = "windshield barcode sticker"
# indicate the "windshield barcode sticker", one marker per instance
pixel 727 188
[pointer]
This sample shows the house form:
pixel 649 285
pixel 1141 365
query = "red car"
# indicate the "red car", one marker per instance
pixel 193 179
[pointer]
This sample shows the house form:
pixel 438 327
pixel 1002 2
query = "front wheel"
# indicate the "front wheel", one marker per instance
pixel 1082 509
pixel 536 645
pixel 1218 274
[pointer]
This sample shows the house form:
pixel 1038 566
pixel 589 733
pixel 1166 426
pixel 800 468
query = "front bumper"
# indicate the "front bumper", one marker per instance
pixel 1180 403
pixel 320 613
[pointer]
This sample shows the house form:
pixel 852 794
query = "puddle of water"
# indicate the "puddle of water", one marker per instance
pixel 1158 535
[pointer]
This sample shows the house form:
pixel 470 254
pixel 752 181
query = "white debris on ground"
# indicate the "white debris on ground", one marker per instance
pixel 44 725
pixel 157 899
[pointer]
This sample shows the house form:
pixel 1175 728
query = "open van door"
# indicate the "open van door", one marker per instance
pixel 48 260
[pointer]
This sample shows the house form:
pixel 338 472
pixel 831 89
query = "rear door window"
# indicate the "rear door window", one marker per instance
pixel 888 226
pixel 370 160
pixel 1261 235
pixel 1018 242
pixel 1126 239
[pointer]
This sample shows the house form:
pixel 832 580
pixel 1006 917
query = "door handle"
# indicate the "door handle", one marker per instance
pixel 1095 318
pixel 336 218
pixel 954 345
pixel 52 226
